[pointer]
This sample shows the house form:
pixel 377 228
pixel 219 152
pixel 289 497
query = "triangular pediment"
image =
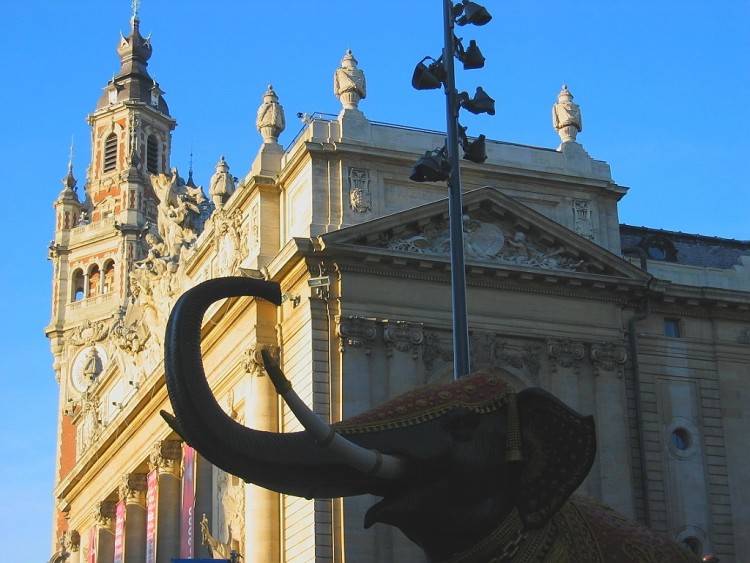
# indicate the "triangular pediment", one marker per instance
pixel 500 233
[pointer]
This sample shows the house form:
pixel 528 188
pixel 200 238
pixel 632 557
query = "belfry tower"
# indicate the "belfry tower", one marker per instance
pixel 99 231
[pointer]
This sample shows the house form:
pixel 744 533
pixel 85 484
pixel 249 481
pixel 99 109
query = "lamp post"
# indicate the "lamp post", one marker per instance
pixel 442 72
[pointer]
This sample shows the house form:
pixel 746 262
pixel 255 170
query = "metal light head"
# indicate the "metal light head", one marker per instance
pixel 428 77
pixel 432 167
pixel 475 151
pixel 480 103
pixel 471 57
pixel 473 13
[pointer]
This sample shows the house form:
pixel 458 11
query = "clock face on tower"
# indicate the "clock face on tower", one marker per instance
pixel 87 366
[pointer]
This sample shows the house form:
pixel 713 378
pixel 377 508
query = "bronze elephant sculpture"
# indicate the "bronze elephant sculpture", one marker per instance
pixel 470 471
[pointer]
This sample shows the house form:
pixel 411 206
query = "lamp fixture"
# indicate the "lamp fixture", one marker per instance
pixel 471 57
pixel 470 12
pixel 432 167
pixel 428 77
pixel 480 103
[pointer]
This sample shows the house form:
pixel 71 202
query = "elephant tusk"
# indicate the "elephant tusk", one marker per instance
pixel 371 462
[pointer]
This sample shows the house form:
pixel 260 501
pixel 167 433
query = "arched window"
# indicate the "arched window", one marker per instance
pixel 78 285
pixel 152 154
pixel 109 276
pixel 94 281
pixel 110 153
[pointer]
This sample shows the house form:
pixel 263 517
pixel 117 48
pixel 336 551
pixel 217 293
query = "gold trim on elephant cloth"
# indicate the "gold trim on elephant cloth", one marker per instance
pixel 481 392
pixel 582 531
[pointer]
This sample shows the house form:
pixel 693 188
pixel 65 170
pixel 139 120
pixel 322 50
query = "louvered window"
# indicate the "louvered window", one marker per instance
pixel 110 153
pixel 152 154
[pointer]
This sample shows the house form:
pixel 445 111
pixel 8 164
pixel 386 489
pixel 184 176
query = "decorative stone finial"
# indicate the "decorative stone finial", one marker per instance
pixel 349 82
pixel 270 121
pixel 566 116
pixel 221 186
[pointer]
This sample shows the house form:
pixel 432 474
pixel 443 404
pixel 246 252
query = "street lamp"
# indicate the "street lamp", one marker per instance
pixel 443 164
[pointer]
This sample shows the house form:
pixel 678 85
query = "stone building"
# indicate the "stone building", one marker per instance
pixel 647 330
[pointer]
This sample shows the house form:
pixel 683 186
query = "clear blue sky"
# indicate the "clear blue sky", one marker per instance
pixel 663 88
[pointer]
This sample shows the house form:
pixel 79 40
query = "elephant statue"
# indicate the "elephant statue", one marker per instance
pixel 471 471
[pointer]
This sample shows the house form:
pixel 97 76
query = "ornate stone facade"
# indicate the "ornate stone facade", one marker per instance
pixel 364 253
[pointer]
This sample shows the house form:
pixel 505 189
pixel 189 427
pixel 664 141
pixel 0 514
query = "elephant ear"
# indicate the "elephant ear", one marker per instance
pixel 559 446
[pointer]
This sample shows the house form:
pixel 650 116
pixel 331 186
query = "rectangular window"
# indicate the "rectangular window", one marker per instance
pixel 672 328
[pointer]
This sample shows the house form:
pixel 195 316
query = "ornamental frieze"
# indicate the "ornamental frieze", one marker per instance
pixel 608 356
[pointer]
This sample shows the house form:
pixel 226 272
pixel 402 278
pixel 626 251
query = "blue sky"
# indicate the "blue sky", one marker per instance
pixel 663 88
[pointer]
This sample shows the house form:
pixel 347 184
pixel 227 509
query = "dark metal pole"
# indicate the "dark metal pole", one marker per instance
pixel 455 207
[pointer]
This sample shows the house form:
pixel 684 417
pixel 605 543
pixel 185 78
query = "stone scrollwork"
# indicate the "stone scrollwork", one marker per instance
pixel 71 540
pixel 608 356
pixel 132 488
pixel 165 456
pixel 88 333
pixel 252 362
pixel 565 353
pixel 357 332
pixel 104 514
pixel 488 351
pixel 360 200
pixel 404 336
pixel 129 338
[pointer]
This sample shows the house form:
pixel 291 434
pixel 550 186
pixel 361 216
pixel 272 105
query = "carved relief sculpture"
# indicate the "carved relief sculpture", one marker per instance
pixel 182 211
pixel 608 356
pixel 583 225
pixel 360 200
pixel 404 336
pixel 491 242
pixel 357 332
pixel 565 353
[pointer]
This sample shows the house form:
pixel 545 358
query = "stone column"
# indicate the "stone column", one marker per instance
pixel 402 338
pixel 72 543
pixel 133 492
pixel 203 503
pixel 262 507
pixel 165 458
pixel 104 516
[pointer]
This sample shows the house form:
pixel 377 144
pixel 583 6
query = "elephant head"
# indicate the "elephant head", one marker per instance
pixel 449 461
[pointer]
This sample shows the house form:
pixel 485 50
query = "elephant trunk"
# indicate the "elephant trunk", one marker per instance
pixel 287 463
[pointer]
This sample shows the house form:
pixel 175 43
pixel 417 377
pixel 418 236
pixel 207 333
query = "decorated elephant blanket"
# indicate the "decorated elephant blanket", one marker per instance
pixel 583 531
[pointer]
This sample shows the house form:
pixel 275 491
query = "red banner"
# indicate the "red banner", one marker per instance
pixel 152 499
pixel 120 532
pixel 187 514
pixel 92 544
